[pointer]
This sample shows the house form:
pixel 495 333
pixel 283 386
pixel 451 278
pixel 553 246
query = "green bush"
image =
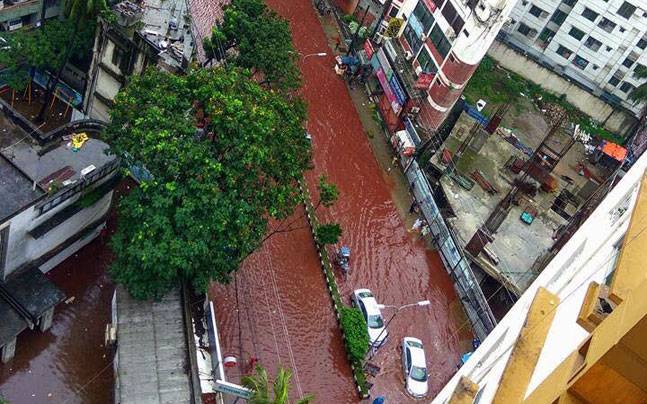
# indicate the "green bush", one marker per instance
pixel 328 233
pixel 354 327
pixel 348 18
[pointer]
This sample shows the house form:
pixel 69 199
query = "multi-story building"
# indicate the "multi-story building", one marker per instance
pixel 599 44
pixel 440 45
pixel 577 335
pixel 147 33
pixel 54 199
pixel 15 14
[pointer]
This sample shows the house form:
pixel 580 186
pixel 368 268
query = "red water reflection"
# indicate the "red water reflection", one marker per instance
pixel 69 364
pixel 285 309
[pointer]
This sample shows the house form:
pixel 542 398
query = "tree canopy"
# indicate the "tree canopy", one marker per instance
pixel 43 48
pixel 213 190
pixel 259 383
pixel 262 41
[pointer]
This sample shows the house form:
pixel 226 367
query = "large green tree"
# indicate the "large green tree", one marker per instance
pixel 262 43
pixel 259 383
pixel 43 48
pixel 213 190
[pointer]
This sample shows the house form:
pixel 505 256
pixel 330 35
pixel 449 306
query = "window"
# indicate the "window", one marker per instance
pixel 117 56
pixel 622 29
pixel 607 24
pixel 426 63
pixel 412 38
pixel 452 17
pixel 564 52
pixel 626 87
pixel 546 35
pixel 570 3
pixel 558 17
pixel 615 79
pixel 576 33
pixel 440 42
pixel 580 62
pixel 628 62
pixel 589 14
pixel 595 67
pixel 524 29
pixel 609 49
pixel 592 43
pixel 626 10
pixel 394 11
pixel 642 44
pixel 536 11
pixel 424 16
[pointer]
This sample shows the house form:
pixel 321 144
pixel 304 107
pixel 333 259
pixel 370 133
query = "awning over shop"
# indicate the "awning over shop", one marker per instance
pixel 614 150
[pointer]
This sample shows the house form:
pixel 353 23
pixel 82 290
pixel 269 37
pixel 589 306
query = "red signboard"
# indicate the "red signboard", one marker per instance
pixel 424 80
pixel 430 5
pixel 368 48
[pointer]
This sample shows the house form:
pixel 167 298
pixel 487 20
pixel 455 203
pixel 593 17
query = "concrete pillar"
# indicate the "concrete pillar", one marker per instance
pixel 8 351
pixel 46 320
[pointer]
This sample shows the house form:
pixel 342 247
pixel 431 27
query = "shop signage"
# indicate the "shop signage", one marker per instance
pixel 384 62
pixel 384 82
pixel 430 5
pixel 368 48
pixel 424 80
pixel 415 25
pixel 398 90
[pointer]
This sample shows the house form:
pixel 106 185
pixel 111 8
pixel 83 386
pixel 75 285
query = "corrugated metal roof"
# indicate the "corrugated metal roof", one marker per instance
pixel 151 344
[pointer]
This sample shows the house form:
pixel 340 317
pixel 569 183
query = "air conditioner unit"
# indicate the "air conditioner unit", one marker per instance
pixel 423 37
pixel 408 55
pixel 415 110
pixel 378 38
pixel 418 70
pixel 87 170
pixel 450 34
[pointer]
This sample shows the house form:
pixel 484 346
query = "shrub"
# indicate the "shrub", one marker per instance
pixel 328 233
pixel 354 327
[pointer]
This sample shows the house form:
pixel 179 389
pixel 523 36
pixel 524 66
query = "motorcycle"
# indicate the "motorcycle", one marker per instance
pixel 343 260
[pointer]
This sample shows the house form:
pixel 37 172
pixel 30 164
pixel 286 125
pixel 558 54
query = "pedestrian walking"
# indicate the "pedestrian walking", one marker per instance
pixel 416 225
pixel 337 44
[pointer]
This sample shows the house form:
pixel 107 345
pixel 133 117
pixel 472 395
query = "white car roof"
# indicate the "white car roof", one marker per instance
pixel 369 301
pixel 417 354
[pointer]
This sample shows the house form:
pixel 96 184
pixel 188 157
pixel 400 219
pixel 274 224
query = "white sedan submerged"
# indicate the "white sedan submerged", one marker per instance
pixel 414 365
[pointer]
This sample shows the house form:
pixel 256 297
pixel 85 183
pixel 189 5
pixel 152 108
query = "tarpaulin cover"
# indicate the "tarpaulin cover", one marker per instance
pixel 614 150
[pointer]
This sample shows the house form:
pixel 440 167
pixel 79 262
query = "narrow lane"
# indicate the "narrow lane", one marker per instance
pixel 291 321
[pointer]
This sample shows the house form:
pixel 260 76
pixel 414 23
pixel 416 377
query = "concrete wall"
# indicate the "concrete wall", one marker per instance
pixel 23 248
pixel 613 119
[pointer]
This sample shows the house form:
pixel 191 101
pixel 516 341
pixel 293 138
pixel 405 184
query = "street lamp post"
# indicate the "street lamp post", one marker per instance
pixel 421 303
pixel 319 54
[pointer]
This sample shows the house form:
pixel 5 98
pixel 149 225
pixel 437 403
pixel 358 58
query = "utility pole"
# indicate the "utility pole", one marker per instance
pixel 361 23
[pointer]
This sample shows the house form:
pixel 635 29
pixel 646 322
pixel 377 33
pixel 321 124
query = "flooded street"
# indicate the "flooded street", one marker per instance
pixel 290 319
pixel 68 364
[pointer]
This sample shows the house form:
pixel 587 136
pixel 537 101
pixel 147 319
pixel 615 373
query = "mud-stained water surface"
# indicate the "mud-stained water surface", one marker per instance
pixel 286 315
pixel 69 364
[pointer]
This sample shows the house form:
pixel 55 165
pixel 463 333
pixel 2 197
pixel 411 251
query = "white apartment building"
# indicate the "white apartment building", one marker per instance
pixel 597 43
pixel 578 332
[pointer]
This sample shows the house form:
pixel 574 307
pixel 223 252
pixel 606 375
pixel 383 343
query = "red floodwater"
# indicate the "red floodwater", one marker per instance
pixel 68 363
pixel 285 312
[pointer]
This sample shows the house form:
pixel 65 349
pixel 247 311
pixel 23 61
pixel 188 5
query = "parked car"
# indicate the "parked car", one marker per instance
pixel 414 366
pixel 365 301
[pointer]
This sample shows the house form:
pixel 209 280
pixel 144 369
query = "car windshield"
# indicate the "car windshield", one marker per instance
pixel 419 374
pixel 375 321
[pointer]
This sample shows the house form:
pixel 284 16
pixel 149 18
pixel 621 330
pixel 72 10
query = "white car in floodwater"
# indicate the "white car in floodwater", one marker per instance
pixel 365 301
pixel 414 366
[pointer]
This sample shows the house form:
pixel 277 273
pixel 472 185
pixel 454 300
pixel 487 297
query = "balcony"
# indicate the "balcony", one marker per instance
pixel 14 10
pixel 398 58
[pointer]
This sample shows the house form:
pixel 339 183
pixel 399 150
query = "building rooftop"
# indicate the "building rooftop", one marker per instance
pixel 34 291
pixel 204 15
pixel 517 244
pixel 165 25
pixel 152 349
pixel 23 161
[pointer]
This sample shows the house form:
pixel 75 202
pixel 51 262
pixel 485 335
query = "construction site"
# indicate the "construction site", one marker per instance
pixel 512 196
